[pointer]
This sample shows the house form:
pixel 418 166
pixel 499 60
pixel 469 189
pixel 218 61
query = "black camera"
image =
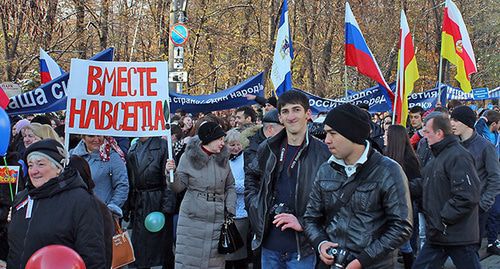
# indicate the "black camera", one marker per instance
pixel 280 208
pixel 341 256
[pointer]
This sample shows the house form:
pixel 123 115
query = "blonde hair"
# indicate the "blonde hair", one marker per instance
pixel 43 131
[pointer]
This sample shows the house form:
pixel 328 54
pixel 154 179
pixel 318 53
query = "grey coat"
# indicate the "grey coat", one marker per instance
pixel 209 186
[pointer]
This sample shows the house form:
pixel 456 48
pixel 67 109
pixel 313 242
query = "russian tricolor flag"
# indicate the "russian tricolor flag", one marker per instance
pixel 49 69
pixel 358 54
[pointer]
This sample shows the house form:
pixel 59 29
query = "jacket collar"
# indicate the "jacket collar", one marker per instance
pixel 471 139
pixel 200 159
pixel 276 141
pixel 351 168
pixel 441 145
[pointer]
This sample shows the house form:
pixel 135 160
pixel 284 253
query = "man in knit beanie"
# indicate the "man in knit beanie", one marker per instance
pixel 486 163
pixel 360 201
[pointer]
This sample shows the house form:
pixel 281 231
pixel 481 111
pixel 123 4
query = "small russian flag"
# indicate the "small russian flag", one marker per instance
pixel 358 54
pixel 49 69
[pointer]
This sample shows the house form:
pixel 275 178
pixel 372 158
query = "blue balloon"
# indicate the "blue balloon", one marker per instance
pixel 154 221
pixel 4 132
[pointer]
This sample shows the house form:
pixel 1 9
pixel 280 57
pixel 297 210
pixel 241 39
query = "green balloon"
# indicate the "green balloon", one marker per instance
pixel 154 221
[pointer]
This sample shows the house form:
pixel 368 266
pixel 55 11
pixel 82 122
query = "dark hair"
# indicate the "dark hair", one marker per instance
pixel 60 130
pixel 492 116
pixel 42 119
pixel 417 109
pixel 176 130
pixel 442 109
pixel 399 148
pixel 293 97
pixel 452 104
pixel 83 168
pixel 248 112
pixel 181 112
pixel 440 122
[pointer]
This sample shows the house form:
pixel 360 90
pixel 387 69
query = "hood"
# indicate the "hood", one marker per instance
pixel 67 180
pixel 200 159
pixel 248 133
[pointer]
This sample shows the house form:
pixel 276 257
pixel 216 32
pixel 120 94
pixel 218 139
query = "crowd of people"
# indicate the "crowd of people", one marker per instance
pixel 345 188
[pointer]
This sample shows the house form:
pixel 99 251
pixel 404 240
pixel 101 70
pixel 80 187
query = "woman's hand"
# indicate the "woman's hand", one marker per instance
pixel 170 165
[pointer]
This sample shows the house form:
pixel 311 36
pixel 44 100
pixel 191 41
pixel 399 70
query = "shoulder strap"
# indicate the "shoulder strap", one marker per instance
pixel 347 191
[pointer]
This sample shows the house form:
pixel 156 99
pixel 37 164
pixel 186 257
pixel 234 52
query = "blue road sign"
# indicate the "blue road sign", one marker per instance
pixel 179 34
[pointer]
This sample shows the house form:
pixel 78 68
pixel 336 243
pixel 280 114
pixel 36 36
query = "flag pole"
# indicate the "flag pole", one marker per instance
pixel 395 97
pixel 439 76
pixel 345 80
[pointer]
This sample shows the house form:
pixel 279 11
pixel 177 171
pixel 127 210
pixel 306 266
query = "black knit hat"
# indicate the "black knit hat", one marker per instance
pixel 210 131
pixel 350 121
pixel 465 115
pixel 272 116
pixel 50 148
pixel 272 101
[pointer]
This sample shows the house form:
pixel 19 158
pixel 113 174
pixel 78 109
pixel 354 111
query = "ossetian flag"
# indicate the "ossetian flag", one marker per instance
pixel 357 53
pixel 456 46
pixel 49 69
pixel 281 74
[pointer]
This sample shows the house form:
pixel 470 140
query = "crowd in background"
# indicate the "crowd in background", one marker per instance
pixel 127 178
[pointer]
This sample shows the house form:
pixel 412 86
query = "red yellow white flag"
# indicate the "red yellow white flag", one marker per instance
pixel 456 46
pixel 407 71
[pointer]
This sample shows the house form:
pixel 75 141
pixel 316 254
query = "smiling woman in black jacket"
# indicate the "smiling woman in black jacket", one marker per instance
pixel 55 209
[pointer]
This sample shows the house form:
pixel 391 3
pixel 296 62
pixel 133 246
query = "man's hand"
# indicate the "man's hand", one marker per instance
pixel 354 265
pixel 170 165
pixel 325 257
pixel 287 221
pixel 250 97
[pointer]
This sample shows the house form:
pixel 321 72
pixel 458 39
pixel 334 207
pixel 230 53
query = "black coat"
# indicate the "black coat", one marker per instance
pixel 63 213
pixel 149 193
pixel 376 220
pixel 261 176
pixel 450 191
pixel 487 167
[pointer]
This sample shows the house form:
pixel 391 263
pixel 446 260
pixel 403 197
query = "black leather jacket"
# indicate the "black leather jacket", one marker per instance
pixel 261 175
pixel 376 220
pixel 450 195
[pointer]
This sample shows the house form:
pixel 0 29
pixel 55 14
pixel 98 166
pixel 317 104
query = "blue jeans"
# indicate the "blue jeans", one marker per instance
pixel 493 222
pixel 434 256
pixel 286 260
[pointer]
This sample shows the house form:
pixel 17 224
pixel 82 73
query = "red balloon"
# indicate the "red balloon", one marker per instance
pixel 55 257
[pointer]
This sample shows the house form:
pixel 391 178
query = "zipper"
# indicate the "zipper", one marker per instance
pixel 296 206
pixel 28 230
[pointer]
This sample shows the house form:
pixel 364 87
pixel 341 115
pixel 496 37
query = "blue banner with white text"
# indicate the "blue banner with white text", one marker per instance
pixel 51 96
pixel 230 98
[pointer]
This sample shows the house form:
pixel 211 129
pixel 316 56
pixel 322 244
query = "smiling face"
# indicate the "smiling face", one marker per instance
pixel 188 123
pixel 41 170
pixel 93 142
pixel 234 147
pixel 29 137
pixel 294 117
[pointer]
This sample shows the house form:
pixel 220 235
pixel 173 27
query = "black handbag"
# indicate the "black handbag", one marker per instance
pixel 230 239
